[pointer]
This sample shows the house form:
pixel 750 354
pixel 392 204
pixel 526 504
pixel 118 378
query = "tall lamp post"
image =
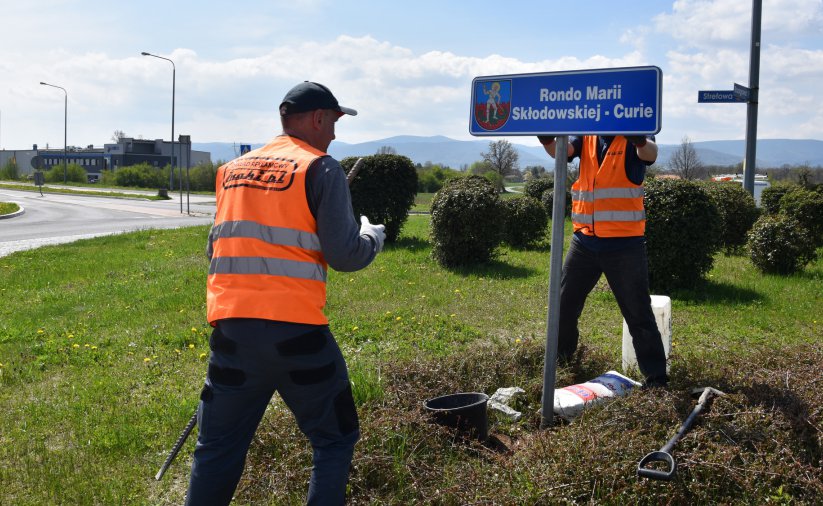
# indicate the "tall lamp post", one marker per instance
pixel 173 79
pixel 65 130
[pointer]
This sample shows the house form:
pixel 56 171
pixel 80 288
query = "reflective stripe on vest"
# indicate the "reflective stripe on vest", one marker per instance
pixel 605 203
pixel 267 266
pixel 608 193
pixel 272 235
pixel 266 258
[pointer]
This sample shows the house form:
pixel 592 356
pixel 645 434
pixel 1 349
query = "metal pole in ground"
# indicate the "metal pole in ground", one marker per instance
pixel 754 93
pixel 555 271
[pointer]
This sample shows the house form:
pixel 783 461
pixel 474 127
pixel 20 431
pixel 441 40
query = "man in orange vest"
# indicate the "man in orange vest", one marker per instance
pixel 284 215
pixel 609 225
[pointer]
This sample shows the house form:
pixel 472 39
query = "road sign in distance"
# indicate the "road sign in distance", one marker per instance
pixel 717 96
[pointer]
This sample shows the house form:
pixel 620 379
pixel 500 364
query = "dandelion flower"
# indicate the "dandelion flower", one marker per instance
pixel 518 340
pixel 71 336
pixel 191 346
pixel 202 356
pixel 75 345
pixel 94 347
pixel 193 329
pixel 452 315
pixel 354 328
pixel 147 360
pixel 40 331
pixel 398 318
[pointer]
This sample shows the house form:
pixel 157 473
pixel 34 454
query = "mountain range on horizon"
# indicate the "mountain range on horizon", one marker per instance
pixel 771 153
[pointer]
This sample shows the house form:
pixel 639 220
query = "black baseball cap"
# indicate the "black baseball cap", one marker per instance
pixel 309 96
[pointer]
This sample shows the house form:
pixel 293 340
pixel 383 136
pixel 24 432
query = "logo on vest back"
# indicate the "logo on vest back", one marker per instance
pixel 274 174
pixel 492 103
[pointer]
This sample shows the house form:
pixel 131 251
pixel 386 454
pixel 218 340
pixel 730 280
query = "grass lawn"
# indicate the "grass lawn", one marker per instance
pixel 59 188
pixel 8 208
pixel 103 350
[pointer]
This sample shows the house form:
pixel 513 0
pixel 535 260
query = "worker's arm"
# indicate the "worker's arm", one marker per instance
pixel 344 248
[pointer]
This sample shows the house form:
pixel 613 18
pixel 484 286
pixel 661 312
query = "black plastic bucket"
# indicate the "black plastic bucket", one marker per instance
pixel 466 412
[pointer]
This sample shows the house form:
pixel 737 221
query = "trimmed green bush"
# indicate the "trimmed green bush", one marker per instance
pixel 547 199
pixel 780 245
pixel 805 206
pixel 466 222
pixel 202 177
pixel 682 233
pixel 738 212
pixel 535 187
pixel 383 190
pixel 73 173
pixel 771 196
pixel 524 221
pixel 10 171
pixel 141 175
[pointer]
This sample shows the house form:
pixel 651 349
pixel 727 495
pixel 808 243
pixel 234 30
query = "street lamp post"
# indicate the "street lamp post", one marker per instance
pixel 173 79
pixel 65 130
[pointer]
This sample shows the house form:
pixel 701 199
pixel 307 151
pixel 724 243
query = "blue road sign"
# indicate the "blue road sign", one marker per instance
pixel 607 101
pixel 742 93
pixel 717 96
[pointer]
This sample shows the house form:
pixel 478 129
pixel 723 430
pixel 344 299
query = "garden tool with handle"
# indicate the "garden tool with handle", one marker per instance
pixel 664 454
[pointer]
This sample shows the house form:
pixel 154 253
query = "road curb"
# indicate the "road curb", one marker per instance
pixel 14 214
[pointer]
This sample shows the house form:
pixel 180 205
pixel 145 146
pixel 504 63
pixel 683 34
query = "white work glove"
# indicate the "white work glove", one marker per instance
pixel 376 232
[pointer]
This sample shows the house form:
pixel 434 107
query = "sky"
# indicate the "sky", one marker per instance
pixel 407 67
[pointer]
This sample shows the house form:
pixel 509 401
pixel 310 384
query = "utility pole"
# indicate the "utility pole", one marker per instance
pixel 754 92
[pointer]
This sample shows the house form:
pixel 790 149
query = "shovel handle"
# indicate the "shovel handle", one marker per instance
pixel 655 474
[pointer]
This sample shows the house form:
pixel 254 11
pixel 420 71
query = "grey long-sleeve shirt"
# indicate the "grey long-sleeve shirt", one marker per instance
pixel 329 199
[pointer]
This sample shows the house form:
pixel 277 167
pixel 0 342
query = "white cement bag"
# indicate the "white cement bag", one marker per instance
pixel 570 401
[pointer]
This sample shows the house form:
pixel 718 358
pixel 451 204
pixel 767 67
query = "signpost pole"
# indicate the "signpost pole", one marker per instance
pixel 751 108
pixel 555 272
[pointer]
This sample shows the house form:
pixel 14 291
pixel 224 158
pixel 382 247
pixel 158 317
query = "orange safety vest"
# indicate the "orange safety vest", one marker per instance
pixel 605 202
pixel 266 260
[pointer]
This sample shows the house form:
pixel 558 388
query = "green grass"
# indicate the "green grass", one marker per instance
pixel 56 188
pixel 8 208
pixel 103 349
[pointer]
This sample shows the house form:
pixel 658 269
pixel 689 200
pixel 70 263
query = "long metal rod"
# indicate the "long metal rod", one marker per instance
pixel 555 272
pixel 177 446
pixel 751 109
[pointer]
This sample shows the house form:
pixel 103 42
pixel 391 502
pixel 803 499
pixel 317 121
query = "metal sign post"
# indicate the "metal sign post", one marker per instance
pixel 555 271
pixel 618 101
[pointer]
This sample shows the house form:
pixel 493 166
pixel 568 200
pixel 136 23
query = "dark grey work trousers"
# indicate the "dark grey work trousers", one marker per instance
pixel 626 271
pixel 250 360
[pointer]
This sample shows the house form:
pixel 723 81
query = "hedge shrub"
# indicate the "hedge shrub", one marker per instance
pixel 383 190
pixel 780 245
pixel 738 212
pixel 547 199
pixel 535 188
pixel 73 173
pixel 466 222
pixel 141 175
pixel 202 177
pixel 682 233
pixel 770 198
pixel 805 206
pixel 524 221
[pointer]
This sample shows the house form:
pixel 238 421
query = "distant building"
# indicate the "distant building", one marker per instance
pixel 127 151
pixel 760 183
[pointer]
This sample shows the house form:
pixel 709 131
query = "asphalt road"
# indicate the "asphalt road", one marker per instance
pixel 57 219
